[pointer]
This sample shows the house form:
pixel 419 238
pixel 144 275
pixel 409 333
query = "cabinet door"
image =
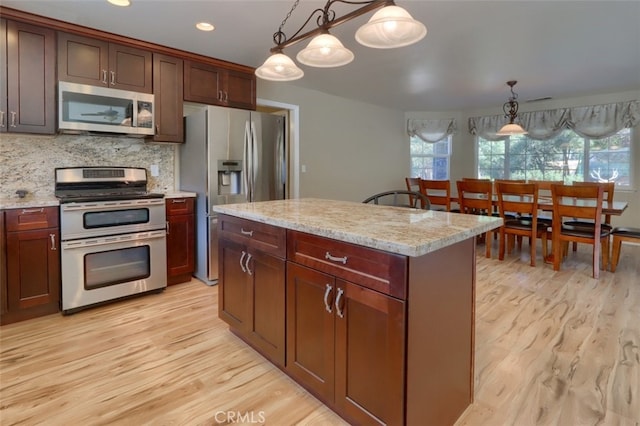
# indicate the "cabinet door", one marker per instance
pixel 168 92
pixel 202 83
pixel 3 81
pixel 83 60
pixel 369 355
pixel 240 90
pixel 130 68
pixel 33 271
pixel 310 330
pixel 31 53
pixel 234 290
pixel 267 326
pixel 180 245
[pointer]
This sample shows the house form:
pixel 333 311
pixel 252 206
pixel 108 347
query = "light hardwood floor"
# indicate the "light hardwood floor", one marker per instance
pixel 551 349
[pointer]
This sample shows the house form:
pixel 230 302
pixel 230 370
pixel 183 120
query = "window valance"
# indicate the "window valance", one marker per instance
pixel 431 130
pixel 596 121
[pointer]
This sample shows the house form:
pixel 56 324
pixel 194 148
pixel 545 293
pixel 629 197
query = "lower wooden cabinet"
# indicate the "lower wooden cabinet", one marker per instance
pixel 345 343
pixel 32 285
pixel 180 239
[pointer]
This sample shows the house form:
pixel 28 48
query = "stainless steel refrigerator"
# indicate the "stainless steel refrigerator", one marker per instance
pixel 229 156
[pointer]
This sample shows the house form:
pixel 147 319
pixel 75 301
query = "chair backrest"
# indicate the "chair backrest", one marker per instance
pixel 475 196
pixel 400 198
pixel 437 191
pixel 518 198
pixel 608 189
pixel 476 179
pixel 577 201
pixel 413 184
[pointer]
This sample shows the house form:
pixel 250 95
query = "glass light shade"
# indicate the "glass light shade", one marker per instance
pixel 325 51
pixel 511 129
pixel 205 26
pixel 390 27
pixel 279 67
pixel 120 2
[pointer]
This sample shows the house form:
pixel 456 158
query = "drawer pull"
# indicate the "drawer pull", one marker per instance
pixel 342 260
pixel 168 228
pixel 243 232
pixel 53 241
pixel 178 200
pixel 338 297
pixel 104 77
pixel 327 292
pixel 27 211
pixel 242 261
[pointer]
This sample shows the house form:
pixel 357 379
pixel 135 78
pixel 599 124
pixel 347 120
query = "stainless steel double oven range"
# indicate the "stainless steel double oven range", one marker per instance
pixel 113 235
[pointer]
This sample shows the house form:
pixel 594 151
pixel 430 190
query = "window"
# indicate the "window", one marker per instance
pixel 567 157
pixel 430 160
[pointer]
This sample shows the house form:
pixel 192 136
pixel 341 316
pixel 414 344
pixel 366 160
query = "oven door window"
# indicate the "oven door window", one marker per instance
pixel 112 267
pixel 105 219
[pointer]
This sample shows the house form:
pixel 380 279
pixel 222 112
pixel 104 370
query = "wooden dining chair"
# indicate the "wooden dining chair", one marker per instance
pixel 608 188
pixel 413 184
pixel 438 192
pixel 476 197
pixel 579 202
pixel 620 235
pixel 544 191
pixel 522 199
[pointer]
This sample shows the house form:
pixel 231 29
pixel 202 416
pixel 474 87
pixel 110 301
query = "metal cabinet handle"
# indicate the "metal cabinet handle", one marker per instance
pixel 246 264
pixel 2 114
pixel 327 292
pixel 157 129
pixel 53 241
pixel 178 200
pixel 338 297
pixel 226 96
pixel 13 119
pixel 220 95
pixel 167 227
pixel 113 78
pixel 243 232
pixel 241 261
pixel 27 211
pixel 342 260
pixel 104 76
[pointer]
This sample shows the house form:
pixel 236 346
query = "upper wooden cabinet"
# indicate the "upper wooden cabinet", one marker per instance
pixel 27 102
pixel 100 63
pixel 208 84
pixel 167 90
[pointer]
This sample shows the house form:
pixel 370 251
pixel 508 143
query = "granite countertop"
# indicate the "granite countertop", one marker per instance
pixel 30 201
pixel 180 194
pixel 399 230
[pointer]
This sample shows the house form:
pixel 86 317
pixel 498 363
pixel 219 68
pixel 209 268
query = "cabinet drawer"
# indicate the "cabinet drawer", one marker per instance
pixel 260 236
pixel 31 218
pixel 176 206
pixel 371 268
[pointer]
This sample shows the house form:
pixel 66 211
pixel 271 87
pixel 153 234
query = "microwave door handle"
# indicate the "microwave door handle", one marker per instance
pixel 134 114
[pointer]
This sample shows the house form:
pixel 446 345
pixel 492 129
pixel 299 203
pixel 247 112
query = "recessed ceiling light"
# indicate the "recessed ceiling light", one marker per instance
pixel 204 26
pixel 120 2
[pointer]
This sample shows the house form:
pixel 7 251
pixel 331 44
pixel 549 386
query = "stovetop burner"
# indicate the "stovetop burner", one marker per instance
pixel 85 184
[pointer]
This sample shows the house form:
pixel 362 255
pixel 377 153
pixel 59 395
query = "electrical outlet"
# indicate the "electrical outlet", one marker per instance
pixel 155 171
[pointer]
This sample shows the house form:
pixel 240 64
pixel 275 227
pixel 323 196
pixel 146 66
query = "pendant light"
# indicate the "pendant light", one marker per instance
pixel 390 27
pixel 510 109
pixel 279 67
pixel 325 51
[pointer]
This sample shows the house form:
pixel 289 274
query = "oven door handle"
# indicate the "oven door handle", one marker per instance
pixel 102 205
pixel 114 239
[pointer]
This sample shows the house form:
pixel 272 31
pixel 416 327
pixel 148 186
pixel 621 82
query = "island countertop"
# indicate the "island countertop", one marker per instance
pixel 405 231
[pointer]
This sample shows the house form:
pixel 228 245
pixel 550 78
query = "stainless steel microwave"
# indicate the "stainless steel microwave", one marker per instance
pixel 100 109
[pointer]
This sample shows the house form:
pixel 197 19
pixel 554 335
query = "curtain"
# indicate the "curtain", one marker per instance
pixel 431 131
pixel 596 121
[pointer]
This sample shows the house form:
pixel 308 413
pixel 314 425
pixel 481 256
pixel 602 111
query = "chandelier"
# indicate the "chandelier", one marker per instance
pixel 391 26
pixel 510 109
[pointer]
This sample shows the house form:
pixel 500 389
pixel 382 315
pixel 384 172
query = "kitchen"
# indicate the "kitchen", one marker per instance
pixel 335 183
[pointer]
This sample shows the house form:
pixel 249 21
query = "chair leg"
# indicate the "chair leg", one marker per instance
pixel 544 245
pixel 557 253
pixel 575 246
pixel 615 255
pixel 503 237
pixel 487 244
pixel 597 246
pixel 605 254
pixel 532 251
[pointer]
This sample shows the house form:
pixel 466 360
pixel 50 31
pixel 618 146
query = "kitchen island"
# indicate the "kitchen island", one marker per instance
pixel 370 308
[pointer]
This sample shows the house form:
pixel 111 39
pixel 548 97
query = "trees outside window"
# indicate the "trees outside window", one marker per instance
pixel 430 160
pixel 568 157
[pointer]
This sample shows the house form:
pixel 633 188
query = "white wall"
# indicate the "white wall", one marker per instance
pixel 350 149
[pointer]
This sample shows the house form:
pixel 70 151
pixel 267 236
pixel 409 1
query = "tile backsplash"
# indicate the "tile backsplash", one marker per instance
pixel 28 161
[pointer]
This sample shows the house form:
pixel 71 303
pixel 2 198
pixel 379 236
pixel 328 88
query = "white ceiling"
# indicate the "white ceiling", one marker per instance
pixel 554 49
